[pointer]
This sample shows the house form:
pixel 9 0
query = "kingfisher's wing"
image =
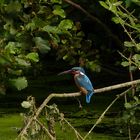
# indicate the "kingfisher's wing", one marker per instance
pixel 83 81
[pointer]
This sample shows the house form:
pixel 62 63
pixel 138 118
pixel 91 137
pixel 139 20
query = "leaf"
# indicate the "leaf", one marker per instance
pixel 59 11
pixel 66 24
pixel 42 45
pixel 33 56
pixel 127 105
pixel 128 44
pixel 138 46
pixel 51 29
pixel 26 104
pixel 12 48
pixel 125 63
pixel 4 60
pixel 13 7
pixel 22 62
pixel 56 1
pixel 20 83
pixel 133 68
pixel 117 3
pixel 104 4
pixel 30 26
pixel 14 72
pixel 136 2
pixel 128 3
pixel 116 20
pixel 136 57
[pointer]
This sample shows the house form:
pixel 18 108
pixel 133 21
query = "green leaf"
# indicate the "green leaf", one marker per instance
pixel 125 63
pixel 66 24
pixel 117 3
pixel 33 56
pixel 51 29
pixel 12 48
pixel 30 26
pixel 136 2
pixel 4 60
pixel 26 104
pixel 138 46
pixel 116 20
pixel 128 44
pixel 14 72
pixel 20 83
pixel 59 11
pixel 128 3
pixel 56 1
pixel 22 62
pixel 133 68
pixel 104 4
pixel 136 57
pixel 13 7
pixel 65 57
pixel 127 105
pixel 42 45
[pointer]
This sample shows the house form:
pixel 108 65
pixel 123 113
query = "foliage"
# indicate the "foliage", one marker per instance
pixel 131 26
pixel 45 126
pixel 131 58
pixel 30 28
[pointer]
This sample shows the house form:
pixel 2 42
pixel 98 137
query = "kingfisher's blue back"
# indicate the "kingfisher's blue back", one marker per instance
pixel 83 81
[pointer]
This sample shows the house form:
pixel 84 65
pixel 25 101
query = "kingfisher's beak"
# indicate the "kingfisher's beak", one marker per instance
pixel 64 72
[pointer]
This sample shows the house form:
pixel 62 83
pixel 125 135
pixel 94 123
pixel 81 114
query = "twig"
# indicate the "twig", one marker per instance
pixel 72 95
pixel 76 132
pixel 46 130
pixel 129 132
pixel 102 115
pixel 138 136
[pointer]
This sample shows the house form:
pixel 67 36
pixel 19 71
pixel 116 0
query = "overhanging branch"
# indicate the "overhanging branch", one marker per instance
pixel 95 19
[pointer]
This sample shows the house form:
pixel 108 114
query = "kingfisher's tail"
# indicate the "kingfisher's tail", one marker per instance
pixel 88 96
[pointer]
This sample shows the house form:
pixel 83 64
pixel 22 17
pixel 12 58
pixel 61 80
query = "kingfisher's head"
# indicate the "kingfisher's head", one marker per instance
pixel 74 70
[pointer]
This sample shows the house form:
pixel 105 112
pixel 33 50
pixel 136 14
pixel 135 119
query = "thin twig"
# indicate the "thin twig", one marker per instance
pixel 46 130
pixel 76 132
pixel 127 58
pixel 129 133
pixel 102 115
pixel 138 136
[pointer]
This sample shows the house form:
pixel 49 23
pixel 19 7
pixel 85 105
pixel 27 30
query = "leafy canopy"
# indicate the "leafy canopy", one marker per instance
pixel 28 29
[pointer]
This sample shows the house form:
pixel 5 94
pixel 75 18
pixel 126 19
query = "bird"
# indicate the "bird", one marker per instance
pixel 82 81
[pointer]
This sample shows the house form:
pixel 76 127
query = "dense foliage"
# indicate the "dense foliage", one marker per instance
pixel 29 28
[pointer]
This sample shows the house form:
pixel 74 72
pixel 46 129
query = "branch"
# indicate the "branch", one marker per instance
pixel 122 85
pixel 76 132
pixel 108 31
pixel 45 129
pixel 138 136
pixel 102 115
pixel 109 88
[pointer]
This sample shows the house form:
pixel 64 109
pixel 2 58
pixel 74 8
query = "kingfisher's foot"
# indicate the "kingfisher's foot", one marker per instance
pixel 88 97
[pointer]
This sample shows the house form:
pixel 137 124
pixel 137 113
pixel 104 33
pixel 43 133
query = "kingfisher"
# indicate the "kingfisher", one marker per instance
pixel 82 81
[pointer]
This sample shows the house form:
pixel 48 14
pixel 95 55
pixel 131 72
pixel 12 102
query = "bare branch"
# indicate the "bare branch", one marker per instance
pixel 45 129
pixel 64 95
pixel 95 19
pixel 102 115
